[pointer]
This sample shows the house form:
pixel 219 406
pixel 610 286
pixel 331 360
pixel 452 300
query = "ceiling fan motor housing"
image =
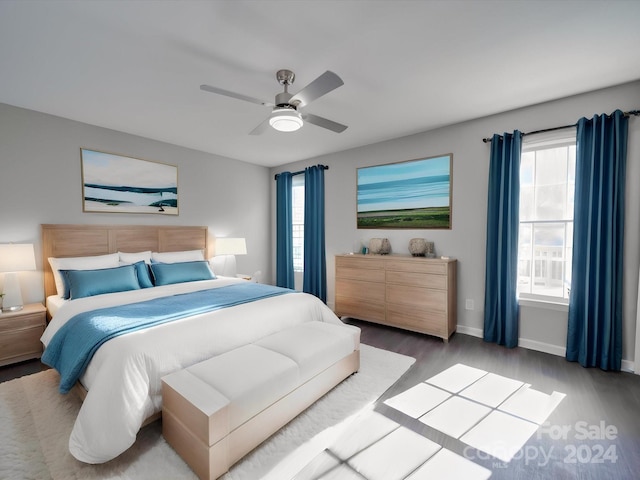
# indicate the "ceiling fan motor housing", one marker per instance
pixel 285 78
pixel 282 100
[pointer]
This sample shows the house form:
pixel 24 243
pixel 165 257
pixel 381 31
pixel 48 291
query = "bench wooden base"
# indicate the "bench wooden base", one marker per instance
pixel 185 426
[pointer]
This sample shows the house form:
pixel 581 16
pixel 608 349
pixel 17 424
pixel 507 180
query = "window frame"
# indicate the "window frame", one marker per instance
pixel 565 137
pixel 297 189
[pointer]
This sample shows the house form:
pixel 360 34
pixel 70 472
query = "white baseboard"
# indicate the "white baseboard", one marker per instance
pixel 542 347
pixel 627 365
pixel 522 342
pixel 472 331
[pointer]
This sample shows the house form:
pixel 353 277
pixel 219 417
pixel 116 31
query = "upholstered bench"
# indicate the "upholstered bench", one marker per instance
pixel 217 411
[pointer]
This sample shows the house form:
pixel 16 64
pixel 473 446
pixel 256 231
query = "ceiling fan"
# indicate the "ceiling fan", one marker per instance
pixel 285 115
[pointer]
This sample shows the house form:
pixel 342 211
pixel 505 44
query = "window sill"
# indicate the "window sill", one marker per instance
pixel 545 304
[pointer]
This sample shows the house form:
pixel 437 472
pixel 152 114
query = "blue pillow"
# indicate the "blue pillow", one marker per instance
pixel 144 275
pixel 86 283
pixel 169 273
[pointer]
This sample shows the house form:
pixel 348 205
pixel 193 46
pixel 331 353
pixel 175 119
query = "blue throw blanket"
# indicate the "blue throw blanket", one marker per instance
pixel 73 346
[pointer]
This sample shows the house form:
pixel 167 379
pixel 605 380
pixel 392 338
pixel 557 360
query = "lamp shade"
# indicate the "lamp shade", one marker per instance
pixel 17 257
pixel 231 246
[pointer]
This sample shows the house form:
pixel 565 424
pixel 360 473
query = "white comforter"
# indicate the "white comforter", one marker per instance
pixel 123 378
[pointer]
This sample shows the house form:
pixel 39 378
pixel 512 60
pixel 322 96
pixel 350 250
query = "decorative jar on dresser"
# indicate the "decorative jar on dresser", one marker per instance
pixel 413 293
pixel 20 334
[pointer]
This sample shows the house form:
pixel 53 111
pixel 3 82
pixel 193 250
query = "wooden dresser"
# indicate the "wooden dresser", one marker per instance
pixel 413 293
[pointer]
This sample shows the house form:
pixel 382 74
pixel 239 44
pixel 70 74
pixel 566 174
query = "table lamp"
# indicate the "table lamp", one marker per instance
pixel 14 257
pixel 230 247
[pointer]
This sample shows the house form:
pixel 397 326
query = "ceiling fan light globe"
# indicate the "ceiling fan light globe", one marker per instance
pixel 285 120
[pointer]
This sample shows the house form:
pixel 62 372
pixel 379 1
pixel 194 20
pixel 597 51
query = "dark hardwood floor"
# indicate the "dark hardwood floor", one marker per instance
pixel 9 372
pixel 602 406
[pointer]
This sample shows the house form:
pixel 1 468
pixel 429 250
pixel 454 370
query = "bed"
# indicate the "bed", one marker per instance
pixel 122 380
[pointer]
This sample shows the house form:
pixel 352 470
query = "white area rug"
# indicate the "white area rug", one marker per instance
pixel 35 423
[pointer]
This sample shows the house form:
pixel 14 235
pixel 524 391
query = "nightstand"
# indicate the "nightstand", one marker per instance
pixel 20 334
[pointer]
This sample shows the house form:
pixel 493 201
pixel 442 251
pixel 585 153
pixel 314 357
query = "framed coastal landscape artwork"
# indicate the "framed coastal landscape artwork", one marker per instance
pixel 409 194
pixel 119 184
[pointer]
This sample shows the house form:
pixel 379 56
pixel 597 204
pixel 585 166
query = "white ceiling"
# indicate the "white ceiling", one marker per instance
pixel 407 66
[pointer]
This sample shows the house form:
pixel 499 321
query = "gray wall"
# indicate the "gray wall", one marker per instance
pixel 541 329
pixel 40 182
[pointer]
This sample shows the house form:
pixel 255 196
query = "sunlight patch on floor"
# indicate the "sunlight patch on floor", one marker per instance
pixel 488 412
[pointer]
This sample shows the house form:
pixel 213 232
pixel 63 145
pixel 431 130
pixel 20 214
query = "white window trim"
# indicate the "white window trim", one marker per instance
pixel 542 301
pixel 539 141
pixel 556 138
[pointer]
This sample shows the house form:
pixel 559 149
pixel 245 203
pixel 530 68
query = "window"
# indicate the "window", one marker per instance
pixel 545 239
pixel 298 223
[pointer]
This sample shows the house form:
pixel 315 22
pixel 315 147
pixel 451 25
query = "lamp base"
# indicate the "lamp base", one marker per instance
pixel 15 308
pixel 12 300
pixel 224 265
pixel 229 269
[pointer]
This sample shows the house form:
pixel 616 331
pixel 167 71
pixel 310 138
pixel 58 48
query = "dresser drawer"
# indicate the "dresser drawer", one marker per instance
pixel 418 320
pixel 355 289
pixel 418 266
pixel 432 300
pixel 425 280
pixel 360 262
pixel 348 307
pixel 360 274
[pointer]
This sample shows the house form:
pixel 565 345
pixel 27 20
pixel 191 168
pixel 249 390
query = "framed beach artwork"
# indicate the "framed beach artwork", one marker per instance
pixel 410 194
pixel 118 184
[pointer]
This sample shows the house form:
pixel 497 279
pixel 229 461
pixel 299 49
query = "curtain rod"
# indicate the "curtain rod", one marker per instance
pixel 324 167
pixel 626 114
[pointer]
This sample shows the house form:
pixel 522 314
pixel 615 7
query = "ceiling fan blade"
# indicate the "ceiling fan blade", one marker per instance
pixel 322 85
pixel 260 129
pixel 324 123
pixel 239 96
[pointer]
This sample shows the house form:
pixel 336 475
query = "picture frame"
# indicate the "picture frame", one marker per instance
pixel 415 194
pixel 113 183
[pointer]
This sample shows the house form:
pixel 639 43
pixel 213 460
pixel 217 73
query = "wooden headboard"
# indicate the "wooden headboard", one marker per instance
pixel 87 240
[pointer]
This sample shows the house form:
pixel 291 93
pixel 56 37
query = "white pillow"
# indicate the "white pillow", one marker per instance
pixel 129 258
pixel 174 257
pixel 80 263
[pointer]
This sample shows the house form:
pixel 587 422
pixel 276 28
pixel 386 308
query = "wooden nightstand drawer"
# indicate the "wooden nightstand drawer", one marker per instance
pixel 20 334
pixel 13 323
pixel 20 343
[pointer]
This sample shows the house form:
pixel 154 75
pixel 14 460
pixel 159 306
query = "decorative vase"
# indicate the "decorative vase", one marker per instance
pixel 418 247
pixel 385 248
pixel 380 246
pixel 374 245
pixel 430 250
